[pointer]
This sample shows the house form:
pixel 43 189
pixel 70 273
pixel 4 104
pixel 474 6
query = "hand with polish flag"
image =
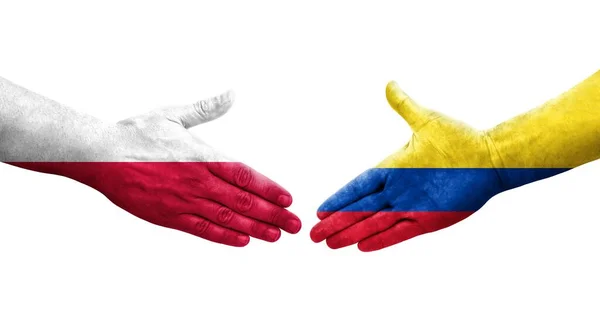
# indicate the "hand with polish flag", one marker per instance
pixel 149 165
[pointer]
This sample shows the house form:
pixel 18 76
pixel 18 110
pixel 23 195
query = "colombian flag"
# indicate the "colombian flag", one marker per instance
pixel 448 170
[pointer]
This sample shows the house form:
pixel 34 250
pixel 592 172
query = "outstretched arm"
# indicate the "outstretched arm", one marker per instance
pixel 34 128
pixel 563 133
pixel 448 170
pixel 149 165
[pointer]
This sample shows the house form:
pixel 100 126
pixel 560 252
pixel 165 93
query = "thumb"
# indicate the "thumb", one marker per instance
pixel 409 110
pixel 202 111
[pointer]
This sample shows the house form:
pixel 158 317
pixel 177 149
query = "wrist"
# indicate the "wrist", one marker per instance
pixel 75 154
pixel 99 142
pixel 518 154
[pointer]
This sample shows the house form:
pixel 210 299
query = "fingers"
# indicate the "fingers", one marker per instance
pixel 379 222
pixel 402 231
pixel 351 215
pixel 230 219
pixel 202 111
pixel 255 207
pixel 244 177
pixel 410 111
pixel 205 229
pixel 365 184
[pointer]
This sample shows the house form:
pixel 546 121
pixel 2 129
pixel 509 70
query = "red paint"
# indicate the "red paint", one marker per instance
pixel 223 202
pixel 377 230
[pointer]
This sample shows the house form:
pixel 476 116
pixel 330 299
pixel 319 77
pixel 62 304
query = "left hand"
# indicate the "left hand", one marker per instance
pixel 441 176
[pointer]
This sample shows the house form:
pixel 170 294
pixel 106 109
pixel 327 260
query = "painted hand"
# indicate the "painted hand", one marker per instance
pixel 153 168
pixel 441 176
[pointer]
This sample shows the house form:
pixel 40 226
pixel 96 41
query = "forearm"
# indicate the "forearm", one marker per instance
pixel 561 134
pixel 36 129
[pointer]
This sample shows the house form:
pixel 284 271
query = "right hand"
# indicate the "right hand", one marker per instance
pixel 155 169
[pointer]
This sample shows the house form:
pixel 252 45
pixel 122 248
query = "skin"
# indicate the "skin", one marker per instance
pixel 437 141
pixel 448 169
pixel 149 165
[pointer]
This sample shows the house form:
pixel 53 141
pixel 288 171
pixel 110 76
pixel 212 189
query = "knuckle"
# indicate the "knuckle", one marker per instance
pixel 243 201
pixel 269 190
pixel 127 122
pixel 255 227
pixel 202 108
pixel 201 227
pixel 275 215
pixel 224 215
pixel 353 188
pixel 243 177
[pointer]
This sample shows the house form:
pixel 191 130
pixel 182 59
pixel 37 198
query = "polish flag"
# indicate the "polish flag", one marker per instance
pixel 158 171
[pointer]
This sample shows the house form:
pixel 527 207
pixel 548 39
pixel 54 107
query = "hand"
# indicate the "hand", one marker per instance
pixel 441 176
pixel 152 167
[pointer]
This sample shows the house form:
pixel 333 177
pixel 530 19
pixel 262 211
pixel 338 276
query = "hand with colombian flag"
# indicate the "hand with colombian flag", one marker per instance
pixel 148 165
pixel 448 170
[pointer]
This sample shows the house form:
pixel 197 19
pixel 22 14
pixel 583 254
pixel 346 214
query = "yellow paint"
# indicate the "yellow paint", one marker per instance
pixel 562 133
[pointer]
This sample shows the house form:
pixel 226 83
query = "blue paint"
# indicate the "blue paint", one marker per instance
pixel 429 189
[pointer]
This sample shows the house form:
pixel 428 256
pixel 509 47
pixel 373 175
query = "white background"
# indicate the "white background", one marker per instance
pixel 310 113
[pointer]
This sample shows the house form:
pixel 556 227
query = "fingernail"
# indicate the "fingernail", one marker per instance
pixel 243 240
pixel 315 235
pixel 230 95
pixel 334 244
pixel 293 226
pixel 272 234
pixel 321 215
pixel 284 200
